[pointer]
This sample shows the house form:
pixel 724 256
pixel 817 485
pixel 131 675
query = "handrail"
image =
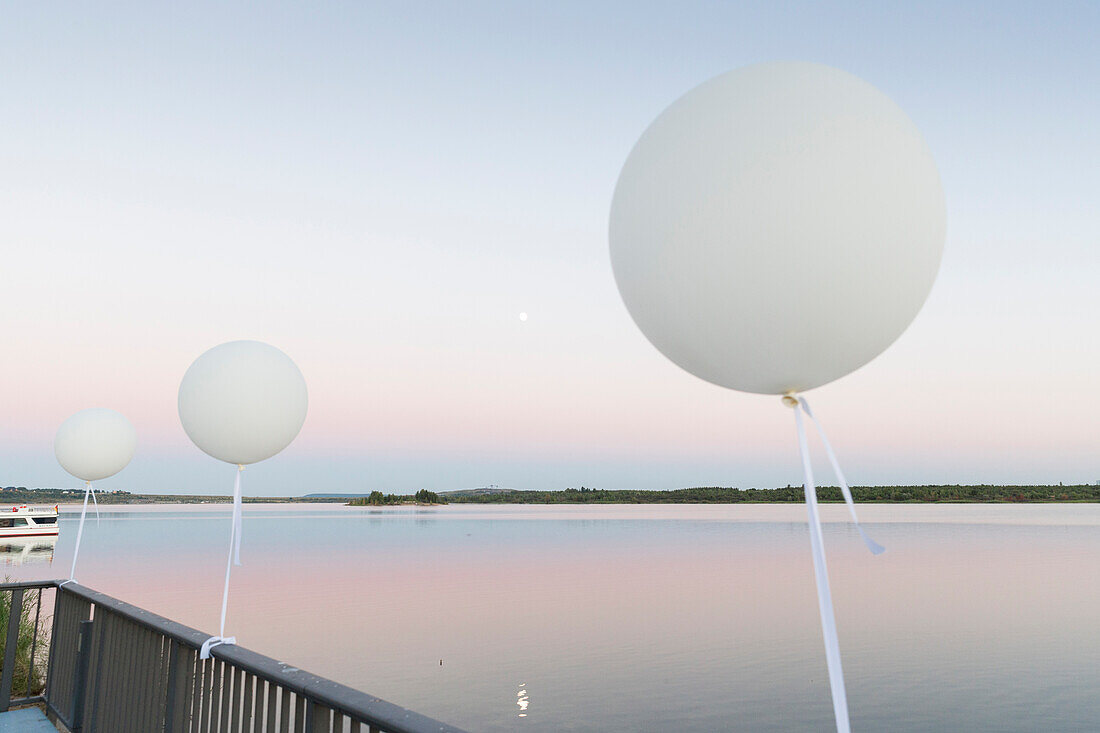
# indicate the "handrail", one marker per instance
pixel 367 708
pixel 30 584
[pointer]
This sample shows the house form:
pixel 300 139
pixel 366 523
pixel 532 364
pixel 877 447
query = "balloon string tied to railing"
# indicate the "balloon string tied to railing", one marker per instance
pixel 817 545
pixel 233 559
pixel 88 491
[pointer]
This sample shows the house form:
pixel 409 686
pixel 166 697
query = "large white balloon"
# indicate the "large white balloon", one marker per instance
pixel 777 227
pixel 95 443
pixel 243 401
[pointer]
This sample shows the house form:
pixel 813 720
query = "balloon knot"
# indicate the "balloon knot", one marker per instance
pixel 790 399
pixel 240 466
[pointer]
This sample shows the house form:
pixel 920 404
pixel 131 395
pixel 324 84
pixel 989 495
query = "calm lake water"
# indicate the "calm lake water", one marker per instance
pixel 685 618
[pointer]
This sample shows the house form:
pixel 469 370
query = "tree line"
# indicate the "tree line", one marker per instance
pixel 377 498
pixel 983 493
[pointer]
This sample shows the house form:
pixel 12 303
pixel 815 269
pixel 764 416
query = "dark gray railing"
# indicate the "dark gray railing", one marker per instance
pixel 114 667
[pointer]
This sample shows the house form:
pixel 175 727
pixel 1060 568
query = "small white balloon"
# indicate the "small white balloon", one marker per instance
pixel 243 401
pixel 523 317
pixel 777 227
pixel 95 443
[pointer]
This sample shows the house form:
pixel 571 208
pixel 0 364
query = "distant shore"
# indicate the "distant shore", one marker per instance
pixel 938 494
pixel 933 494
pixel 19 495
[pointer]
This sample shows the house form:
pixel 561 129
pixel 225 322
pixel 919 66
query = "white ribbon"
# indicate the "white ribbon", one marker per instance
pixel 874 547
pixel 236 536
pixel 234 559
pixel 80 530
pixel 817 546
pixel 213 641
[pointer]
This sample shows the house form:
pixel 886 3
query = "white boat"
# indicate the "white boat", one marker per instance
pixel 24 521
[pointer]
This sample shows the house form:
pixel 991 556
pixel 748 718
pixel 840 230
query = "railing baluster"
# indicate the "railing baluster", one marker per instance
pixel 143 676
pixel 152 719
pixel 247 717
pixel 104 684
pixel 157 684
pixel 259 723
pixel 284 712
pixel 307 726
pixel 111 690
pixel 191 671
pixel 235 711
pixel 320 718
pixel 209 712
pixel 198 693
pixel 130 651
pixel 259 705
pixel 176 688
pixel 272 704
pixel 114 693
pixel 231 699
pixel 95 670
pixel 80 679
pixel 34 643
pixel 50 671
pixel 162 647
pixel 219 693
pixel 15 611
pixel 187 688
pixel 104 620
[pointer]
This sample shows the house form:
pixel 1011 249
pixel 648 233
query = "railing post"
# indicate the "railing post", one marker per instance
pixel 15 615
pixel 53 644
pixel 83 654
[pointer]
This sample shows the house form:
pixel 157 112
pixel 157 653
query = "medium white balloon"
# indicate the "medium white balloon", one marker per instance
pixel 95 443
pixel 243 401
pixel 777 227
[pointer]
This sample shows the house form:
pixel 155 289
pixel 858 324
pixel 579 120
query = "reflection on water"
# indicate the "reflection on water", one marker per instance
pixel 521 699
pixel 16 551
pixel 642 618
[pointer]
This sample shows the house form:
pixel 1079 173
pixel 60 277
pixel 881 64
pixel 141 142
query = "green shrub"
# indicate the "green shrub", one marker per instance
pixel 30 674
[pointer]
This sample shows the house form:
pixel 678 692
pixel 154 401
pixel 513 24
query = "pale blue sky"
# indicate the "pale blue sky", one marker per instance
pixel 379 189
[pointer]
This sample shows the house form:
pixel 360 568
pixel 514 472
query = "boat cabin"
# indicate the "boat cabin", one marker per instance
pixel 24 521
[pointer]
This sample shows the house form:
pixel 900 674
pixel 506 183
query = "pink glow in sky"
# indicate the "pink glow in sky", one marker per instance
pixel 170 180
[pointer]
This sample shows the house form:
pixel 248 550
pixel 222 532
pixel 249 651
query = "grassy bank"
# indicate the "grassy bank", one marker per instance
pixel 29 677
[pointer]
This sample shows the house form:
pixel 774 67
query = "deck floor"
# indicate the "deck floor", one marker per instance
pixel 25 720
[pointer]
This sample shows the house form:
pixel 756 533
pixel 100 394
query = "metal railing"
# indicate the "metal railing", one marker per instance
pixel 113 667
